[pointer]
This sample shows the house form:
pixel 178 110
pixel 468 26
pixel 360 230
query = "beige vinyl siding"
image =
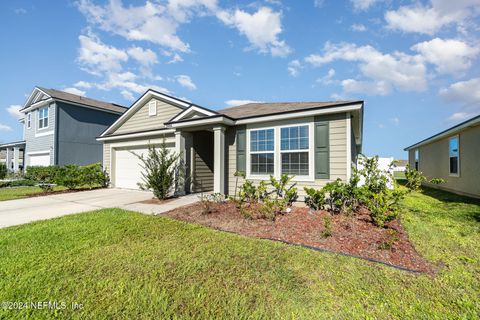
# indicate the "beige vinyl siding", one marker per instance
pixel 141 121
pixel 203 161
pixel 106 157
pixel 434 162
pixel 338 155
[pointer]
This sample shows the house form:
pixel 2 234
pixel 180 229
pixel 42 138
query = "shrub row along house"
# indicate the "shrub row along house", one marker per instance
pixel 317 142
pixel 452 155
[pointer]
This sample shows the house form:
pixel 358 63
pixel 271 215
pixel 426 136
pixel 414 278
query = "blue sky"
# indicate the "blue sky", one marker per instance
pixel 415 63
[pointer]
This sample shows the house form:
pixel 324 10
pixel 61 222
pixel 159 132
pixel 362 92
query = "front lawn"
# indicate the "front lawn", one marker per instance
pixel 120 264
pixel 22 192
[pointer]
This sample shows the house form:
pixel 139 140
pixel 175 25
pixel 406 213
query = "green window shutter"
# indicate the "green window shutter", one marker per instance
pixel 322 143
pixel 241 140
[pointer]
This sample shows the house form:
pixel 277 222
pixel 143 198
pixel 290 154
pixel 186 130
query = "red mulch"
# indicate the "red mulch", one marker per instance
pixel 157 201
pixel 355 235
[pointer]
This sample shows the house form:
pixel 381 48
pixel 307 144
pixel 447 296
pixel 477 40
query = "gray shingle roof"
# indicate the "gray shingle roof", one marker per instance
pixel 260 109
pixel 62 95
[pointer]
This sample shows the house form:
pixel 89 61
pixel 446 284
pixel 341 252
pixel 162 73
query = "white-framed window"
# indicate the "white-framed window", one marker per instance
pixel 29 120
pixel 454 156
pixel 286 148
pixel 417 157
pixel 152 108
pixel 294 149
pixel 43 118
pixel 262 151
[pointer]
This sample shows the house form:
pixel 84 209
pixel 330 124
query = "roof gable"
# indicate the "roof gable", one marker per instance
pixel 40 94
pixel 167 108
pixel 193 112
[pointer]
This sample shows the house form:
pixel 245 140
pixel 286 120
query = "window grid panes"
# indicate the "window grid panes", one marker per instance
pixel 43 118
pixel 262 145
pixel 29 120
pixel 295 163
pixel 294 138
pixel 453 154
pixel 262 140
pixel 261 163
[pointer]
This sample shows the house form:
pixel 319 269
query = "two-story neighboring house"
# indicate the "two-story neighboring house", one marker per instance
pixel 61 128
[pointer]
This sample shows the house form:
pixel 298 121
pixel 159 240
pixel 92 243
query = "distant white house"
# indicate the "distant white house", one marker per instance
pixel 384 164
pixel 400 165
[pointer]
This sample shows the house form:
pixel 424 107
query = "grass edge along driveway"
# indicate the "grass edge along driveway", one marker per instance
pixel 122 264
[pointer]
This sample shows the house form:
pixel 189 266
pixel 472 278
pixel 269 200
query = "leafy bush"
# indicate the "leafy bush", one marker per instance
pixel 46 187
pixel 327 227
pixel 160 167
pixel 3 171
pixel 258 202
pixel 70 176
pixel 416 178
pixel 43 174
pixel 17 183
pixel 315 199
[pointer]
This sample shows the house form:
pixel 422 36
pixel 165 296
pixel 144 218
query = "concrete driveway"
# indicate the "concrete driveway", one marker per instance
pixel 15 212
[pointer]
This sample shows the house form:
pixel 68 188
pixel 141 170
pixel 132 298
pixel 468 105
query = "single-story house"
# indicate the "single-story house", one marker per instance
pixel 61 128
pixel 317 142
pixel 400 165
pixel 12 154
pixel 452 155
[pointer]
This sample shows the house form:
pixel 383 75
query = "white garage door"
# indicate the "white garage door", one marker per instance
pixel 128 169
pixel 39 159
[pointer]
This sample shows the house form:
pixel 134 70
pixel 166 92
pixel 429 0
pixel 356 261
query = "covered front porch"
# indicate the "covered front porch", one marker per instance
pixel 13 155
pixel 202 149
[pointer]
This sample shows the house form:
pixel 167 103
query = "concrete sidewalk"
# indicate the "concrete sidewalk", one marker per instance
pixel 15 212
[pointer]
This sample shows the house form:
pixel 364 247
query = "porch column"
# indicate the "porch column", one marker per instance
pixel 180 150
pixel 219 160
pixel 8 160
pixel 16 158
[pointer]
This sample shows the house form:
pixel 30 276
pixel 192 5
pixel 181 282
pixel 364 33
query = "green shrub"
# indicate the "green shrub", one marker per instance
pixel 43 174
pixel 327 227
pixel 3 170
pixel 282 190
pixel 315 199
pixel 17 183
pixel 414 178
pixel 159 170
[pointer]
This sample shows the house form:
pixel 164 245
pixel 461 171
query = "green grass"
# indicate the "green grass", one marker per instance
pixel 21 192
pixel 121 264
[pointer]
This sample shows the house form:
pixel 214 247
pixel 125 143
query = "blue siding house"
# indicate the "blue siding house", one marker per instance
pixel 61 128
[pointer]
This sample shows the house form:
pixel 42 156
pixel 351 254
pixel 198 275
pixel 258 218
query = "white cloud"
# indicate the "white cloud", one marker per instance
pixel 358 27
pixel 14 111
pixel 467 95
pixel 96 57
pixel 4 127
pixel 261 28
pixel 384 71
pixel 318 3
pixel 362 5
pixel 186 81
pixel 449 56
pixel 373 88
pixel 327 79
pixel 234 102
pixel 74 90
pixel 145 57
pixel 150 22
pixel 83 85
pixel 176 58
pixel 463 92
pixel 430 19
pixel 20 11
pixel 127 95
pixel 294 67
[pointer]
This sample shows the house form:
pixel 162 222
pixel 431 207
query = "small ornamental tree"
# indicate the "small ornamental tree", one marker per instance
pixel 3 171
pixel 160 167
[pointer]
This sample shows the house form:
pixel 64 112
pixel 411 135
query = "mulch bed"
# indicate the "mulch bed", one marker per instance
pixel 353 235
